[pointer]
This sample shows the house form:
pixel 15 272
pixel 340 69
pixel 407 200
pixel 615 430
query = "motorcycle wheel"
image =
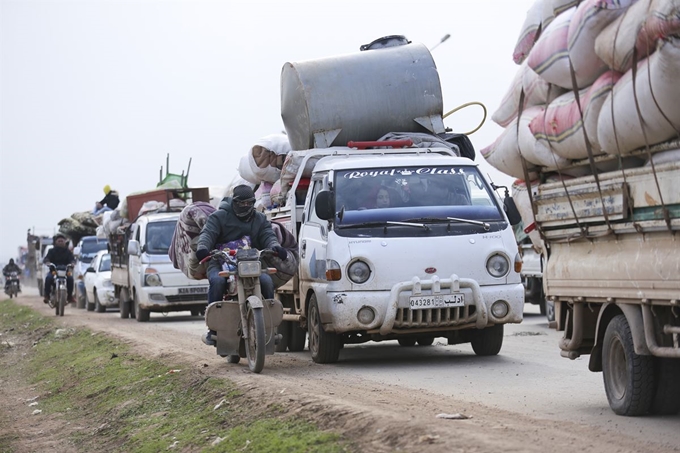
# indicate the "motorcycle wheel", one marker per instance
pixel 255 347
pixel 61 302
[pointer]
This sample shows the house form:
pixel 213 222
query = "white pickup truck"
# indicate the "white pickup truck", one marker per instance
pixel 144 278
pixel 439 260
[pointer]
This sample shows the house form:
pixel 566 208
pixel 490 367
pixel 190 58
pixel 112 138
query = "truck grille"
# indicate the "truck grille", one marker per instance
pixel 188 298
pixel 434 317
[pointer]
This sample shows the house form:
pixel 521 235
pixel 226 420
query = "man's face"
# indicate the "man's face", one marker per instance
pixel 60 242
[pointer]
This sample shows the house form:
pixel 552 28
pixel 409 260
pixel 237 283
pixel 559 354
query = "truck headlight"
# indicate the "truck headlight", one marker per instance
pixel 152 280
pixel 358 272
pixel 249 269
pixel 497 265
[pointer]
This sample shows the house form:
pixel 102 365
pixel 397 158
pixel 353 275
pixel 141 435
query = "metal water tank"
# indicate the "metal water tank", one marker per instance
pixel 361 96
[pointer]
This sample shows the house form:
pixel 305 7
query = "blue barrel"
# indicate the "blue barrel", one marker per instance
pixel 361 96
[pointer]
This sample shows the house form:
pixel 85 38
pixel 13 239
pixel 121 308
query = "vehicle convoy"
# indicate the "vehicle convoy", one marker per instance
pixel 244 323
pixel 143 277
pixel 399 242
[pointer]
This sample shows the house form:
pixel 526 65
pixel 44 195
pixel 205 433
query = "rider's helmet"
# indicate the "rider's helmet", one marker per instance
pixel 243 202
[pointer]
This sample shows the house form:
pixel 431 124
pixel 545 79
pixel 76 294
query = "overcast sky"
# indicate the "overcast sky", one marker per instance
pixel 98 92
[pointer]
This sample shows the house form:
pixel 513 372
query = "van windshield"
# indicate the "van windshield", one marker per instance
pixel 415 194
pixel 159 237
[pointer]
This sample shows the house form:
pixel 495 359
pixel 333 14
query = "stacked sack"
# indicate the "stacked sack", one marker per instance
pixel 586 68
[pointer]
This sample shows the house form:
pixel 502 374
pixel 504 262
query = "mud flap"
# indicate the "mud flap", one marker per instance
pixel 224 318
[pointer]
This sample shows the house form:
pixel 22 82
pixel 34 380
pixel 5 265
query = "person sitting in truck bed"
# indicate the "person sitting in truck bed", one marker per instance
pixel 235 218
pixel 108 203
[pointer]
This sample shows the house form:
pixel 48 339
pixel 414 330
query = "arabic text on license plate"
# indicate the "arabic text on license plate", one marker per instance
pixel 436 301
pixel 193 290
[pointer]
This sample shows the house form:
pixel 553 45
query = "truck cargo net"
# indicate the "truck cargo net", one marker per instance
pixel 435 317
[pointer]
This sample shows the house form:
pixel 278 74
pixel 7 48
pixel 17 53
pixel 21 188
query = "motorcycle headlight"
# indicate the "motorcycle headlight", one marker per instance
pixel 498 266
pixel 249 268
pixel 359 272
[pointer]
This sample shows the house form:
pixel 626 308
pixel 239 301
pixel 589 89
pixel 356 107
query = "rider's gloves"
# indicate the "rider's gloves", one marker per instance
pixel 283 253
pixel 201 254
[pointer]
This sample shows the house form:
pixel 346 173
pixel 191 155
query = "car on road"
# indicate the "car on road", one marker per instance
pixel 84 252
pixel 99 294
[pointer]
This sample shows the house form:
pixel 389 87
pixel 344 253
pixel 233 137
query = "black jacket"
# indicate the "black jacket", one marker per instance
pixel 60 256
pixel 111 200
pixel 11 268
pixel 223 226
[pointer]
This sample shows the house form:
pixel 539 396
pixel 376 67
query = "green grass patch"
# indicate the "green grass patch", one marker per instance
pixel 131 404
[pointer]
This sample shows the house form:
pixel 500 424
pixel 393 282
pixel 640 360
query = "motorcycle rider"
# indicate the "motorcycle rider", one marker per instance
pixel 235 218
pixel 59 255
pixel 8 269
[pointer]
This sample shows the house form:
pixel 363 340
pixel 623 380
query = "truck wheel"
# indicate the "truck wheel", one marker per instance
pixel 425 341
pixel 298 338
pixel 141 314
pixel 667 397
pixel 284 330
pixel 488 341
pixel 98 307
pixel 324 346
pixel 407 341
pixel 124 304
pixel 628 377
pixel 80 299
pixel 549 309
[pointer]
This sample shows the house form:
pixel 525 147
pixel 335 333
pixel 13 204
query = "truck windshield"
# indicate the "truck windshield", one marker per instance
pixel 413 194
pixel 159 237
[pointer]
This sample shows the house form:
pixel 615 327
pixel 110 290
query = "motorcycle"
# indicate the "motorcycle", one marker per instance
pixel 243 324
pixel 12 284
pixel 59 289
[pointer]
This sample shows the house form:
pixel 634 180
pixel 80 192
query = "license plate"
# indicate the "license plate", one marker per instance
pixel 193 290
pixel 436 301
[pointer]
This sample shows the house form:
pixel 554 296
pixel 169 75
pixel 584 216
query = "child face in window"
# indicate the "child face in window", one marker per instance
pixel 382 199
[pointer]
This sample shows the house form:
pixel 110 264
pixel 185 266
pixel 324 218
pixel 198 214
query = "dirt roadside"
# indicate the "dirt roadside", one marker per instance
pixel 376 418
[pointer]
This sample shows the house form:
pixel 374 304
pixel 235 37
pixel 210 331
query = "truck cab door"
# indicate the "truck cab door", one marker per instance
pixel 313 241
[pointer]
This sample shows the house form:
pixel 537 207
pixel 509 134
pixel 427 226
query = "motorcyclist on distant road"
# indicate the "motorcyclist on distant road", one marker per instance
pixel 59 255
pixel 8 269
pixel 236 218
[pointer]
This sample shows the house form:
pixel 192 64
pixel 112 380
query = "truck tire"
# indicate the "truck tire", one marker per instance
pixel 141 314
pixel 284 330
pixel 407 341
pixel 488 341
pixel 124 304
pixel 628 377
pixel 89 306
pixel 667 396
pixel 298 338
pixel 425 341
pixel 324 346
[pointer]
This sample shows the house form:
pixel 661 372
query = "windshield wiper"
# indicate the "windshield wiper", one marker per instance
pixel 385 224
pixel 485 225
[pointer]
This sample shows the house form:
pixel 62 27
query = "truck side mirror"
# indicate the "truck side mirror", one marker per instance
pixel 133 247
pixel 325 205
pixel 90 269
pixel 511 210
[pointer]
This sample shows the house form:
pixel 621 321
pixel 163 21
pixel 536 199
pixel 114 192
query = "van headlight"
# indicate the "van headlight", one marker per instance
pixel 358 272
pixel 152 280
pixel 497 265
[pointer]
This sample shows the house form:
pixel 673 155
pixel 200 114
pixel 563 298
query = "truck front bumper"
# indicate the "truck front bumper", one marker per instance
pixel 158 298
pixel 392 312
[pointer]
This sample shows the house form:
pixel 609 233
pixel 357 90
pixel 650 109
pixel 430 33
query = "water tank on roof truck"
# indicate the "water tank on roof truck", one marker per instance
pixel 361 96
